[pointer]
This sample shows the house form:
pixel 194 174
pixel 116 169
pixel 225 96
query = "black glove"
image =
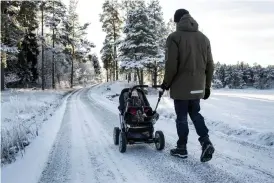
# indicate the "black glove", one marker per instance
pixel 207 93
pixel 164 87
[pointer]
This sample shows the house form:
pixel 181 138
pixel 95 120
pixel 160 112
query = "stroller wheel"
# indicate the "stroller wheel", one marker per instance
pixel 122 142
pixel 116 132
pixel 159 140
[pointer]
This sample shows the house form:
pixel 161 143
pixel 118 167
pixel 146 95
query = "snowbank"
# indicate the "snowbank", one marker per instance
pixel 22 113
pixel 29 168
pixel 244 114
pixel 247 93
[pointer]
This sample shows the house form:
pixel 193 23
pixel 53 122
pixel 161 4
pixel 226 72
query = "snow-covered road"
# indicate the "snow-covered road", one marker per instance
pixel 82 151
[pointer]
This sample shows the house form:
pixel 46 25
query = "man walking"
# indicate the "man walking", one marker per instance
pixel 188 74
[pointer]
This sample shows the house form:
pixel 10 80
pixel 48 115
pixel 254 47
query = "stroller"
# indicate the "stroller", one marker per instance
pixel 137 119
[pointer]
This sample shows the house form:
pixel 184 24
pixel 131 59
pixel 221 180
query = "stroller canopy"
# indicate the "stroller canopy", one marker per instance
pixel 125 95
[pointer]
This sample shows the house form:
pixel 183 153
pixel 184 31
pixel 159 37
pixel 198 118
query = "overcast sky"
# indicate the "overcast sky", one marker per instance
pixel 238 30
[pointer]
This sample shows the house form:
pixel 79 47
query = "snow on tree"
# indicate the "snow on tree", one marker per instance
pixel 96 67
pixel 11 35
pixel 157 25
pixel 237 78
pixel 228 76
pixel 96 64
pixel 107 57
pixel 242 75
pixel 28 49
pixel 74 38
pixel 111 25
pixel 270 76
pixel 138 45
pixel 260 77
pixel 55 13
pixel 27 59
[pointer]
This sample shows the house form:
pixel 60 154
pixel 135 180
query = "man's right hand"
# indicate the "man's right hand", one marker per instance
pixel 164 87
pixel 207 93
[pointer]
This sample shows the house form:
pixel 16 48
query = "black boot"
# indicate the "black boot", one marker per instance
pixel 179 151
pixel 207 149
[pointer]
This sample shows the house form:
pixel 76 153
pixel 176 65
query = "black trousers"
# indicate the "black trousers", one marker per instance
pixel 182 109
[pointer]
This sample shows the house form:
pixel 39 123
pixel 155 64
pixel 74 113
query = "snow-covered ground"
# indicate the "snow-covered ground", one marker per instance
pixel 244 114
pixel 76 145
pixel 22 113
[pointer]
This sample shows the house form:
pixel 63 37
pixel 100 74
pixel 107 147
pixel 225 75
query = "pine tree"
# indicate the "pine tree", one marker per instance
pixel 111 24
pixel 54 14
pixel 74 38
pixel 220 73
pixel 157 26
pixel 11 30
pixel 217 83
pixel 42 9
pixel 27 59
pixel 257 69
pixel 107 57
pixel 228 76
pixel 96 65
pixel 137 46
pixel 11 34
pixel 270 76
pixel 237 78
pixel 250 76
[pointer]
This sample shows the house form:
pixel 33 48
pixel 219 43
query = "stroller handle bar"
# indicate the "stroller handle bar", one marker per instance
pixel 145 86
pixel 139 86
pixel 156 86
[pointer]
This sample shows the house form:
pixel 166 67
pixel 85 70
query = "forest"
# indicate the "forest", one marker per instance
pixel 43 45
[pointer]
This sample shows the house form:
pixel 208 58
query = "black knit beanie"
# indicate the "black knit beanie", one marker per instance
pixel 179 14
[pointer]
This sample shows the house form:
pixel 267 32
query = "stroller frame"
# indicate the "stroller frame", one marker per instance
pixel 123 135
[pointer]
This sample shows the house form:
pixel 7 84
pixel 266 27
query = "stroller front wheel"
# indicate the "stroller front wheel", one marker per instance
pixel 122 142
pixel 159 140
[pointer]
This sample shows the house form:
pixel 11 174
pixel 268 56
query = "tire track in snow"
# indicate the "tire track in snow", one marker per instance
pixel 82 170
pixel 58 166
pixel 100 138
pixel 104 170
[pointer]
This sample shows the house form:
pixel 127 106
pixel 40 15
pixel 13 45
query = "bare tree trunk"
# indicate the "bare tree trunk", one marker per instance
pixel 43 64
pixel 59 79
pixel 2 76
pixel 107 74
pixel 151 75
pixel 113 71
pixel 115 56
pixel 53 61
pixel 135 76
pixel 73 57
pixel 155 73
pixel 129 77
pixel 142 77
pixel 71 75
pixel 110 73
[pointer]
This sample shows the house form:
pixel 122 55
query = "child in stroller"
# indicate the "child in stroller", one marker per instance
pixel 136 120
pixel 136 105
